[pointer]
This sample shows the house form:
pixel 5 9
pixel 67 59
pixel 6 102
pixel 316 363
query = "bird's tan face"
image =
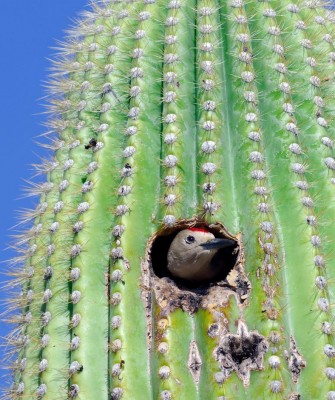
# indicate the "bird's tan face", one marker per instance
pixel 187 241
pixel 187 259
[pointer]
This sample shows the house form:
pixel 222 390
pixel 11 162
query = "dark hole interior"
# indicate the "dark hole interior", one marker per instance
pixel 241 351
pixel 160 248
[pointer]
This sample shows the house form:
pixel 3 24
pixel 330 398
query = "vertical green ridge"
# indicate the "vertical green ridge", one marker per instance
pixel 38 284
pixel 216 180
pixel 36 261
pixel 116 108
pixel 215 185
pixel 315 119
pixel 254 197
pixel 54 380
pixel 284 153
pixel 211 381
pixel 90 270
pixel 178 176
pixel 33 307
pixel 171 342
pixel 173 335
pixel 144 113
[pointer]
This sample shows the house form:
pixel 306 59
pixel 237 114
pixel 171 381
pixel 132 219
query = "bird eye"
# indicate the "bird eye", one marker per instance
pixel 190 239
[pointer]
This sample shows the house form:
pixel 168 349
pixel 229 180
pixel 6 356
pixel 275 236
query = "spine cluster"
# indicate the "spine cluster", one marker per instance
pixel 209 96
pixel 258 201
pixel 173 67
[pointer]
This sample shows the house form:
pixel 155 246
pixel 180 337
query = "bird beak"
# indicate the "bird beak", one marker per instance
pixel 218 244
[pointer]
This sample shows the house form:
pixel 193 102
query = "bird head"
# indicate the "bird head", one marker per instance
pixel 191 252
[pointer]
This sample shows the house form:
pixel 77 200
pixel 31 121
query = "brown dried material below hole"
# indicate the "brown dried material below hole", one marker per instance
pixel 295 360
pixel 194 361
pixel 294 396
pixel 241 352
pixel 172 293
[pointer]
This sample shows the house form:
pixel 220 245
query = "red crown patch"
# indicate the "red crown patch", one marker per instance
pixel 198 230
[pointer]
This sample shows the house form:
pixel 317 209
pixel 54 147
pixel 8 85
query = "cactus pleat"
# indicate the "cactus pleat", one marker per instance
pixel 303 243
pixel 171 114
pixel 261 239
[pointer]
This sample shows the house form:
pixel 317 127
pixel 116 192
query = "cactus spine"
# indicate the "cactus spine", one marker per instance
pixel 170 114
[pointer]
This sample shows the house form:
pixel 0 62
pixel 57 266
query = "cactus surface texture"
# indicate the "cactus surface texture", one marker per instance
pixel 166 115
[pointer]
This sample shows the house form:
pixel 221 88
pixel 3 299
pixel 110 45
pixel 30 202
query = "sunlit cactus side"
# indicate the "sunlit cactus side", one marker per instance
pixel 168 114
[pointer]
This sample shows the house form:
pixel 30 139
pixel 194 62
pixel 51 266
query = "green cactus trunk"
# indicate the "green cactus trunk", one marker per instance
pixel 170 114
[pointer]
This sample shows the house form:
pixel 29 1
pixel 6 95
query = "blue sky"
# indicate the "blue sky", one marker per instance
pixel 28 31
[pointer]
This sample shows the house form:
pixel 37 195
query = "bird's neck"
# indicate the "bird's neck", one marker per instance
pixel 197 268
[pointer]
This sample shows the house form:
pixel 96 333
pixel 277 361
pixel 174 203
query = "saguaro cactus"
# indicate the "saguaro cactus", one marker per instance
pixel 170 114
